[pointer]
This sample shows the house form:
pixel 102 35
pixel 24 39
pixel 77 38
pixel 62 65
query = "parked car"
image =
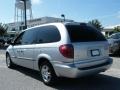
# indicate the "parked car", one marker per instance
pixel 2 42
pixel 114 43
pixel 60 50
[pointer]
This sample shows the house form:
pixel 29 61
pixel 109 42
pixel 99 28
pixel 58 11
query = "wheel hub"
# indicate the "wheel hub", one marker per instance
pixel 46 74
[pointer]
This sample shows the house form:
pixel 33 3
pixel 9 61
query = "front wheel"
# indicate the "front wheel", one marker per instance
pixel 47 73
pixel 8 61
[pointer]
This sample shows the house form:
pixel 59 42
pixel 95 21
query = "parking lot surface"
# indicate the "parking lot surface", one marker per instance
pixel 20 78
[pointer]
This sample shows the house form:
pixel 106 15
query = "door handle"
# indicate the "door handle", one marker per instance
pixel 20 51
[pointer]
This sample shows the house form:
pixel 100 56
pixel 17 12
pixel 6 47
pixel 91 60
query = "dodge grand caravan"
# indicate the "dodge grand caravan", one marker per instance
pixel 60 50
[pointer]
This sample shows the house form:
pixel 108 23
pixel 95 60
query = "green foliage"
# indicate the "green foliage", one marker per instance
pixel 116 29
pixel 96 23
pixel 3 29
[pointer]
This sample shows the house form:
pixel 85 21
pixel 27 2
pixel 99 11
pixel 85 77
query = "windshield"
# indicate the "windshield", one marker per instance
pixel 115 36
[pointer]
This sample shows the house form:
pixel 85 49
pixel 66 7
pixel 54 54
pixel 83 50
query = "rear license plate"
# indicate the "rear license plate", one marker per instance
pixel 95 52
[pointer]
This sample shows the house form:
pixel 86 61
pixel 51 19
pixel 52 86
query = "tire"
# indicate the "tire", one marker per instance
pixel 9 63
pixel 47 74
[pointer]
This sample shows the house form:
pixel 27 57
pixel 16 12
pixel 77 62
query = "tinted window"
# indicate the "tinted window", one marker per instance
pixel 47 34
pixel 29 37
pixel 84 33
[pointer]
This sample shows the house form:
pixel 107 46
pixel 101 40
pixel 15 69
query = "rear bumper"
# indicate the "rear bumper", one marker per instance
pixel 70 71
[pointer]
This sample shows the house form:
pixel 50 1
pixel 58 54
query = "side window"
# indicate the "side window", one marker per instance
pixel 18 40
pixel 48 34
pixel 29 37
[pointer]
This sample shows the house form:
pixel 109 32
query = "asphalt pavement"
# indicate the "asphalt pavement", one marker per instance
pixel 20 78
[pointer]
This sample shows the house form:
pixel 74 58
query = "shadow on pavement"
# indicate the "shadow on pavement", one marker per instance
pixel 98 82
pixel 115 55
pixel 29 72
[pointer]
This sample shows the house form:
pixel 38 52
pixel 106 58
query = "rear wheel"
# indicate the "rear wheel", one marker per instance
pixel 47 73
pixel 9 63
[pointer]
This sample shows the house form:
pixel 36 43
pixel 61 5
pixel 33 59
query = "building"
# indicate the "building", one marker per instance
pixel 107 31
pixel 14 28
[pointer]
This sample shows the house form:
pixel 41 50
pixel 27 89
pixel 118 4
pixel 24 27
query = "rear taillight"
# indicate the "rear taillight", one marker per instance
pixel 67 50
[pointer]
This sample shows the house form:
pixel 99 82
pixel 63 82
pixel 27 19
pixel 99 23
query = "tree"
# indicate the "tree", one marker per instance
pixel 116 29
pixel 3 29
pixel 96 23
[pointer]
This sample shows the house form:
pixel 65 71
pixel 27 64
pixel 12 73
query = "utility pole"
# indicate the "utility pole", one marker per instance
pixel 25 22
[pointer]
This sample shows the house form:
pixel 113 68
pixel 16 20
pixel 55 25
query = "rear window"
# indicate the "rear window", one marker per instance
pixel 84 33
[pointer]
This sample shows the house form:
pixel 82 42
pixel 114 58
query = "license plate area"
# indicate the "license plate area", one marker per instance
pixel 95 52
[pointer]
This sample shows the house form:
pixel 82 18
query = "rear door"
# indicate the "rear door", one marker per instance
pixel 89 45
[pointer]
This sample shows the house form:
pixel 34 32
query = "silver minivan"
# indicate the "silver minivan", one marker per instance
pixel 60 50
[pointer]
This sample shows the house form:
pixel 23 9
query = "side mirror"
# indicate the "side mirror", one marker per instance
pixel 10 42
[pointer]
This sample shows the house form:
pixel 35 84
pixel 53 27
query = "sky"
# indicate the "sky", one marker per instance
pixel 106 11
